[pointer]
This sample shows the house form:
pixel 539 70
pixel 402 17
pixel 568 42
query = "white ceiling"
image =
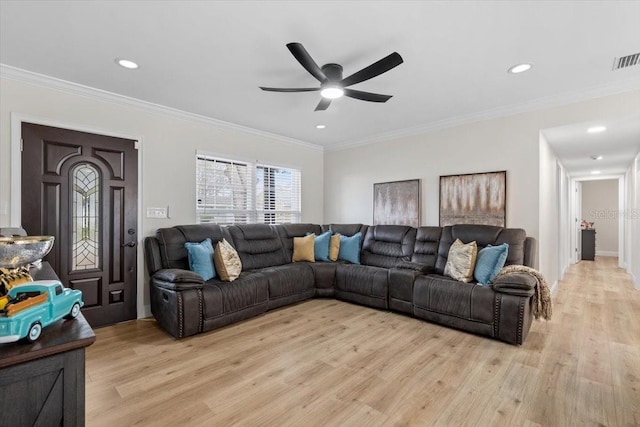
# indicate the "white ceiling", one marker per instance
pixel 617 145
pixel 208 58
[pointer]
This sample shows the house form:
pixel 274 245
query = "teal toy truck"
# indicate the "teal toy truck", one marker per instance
pixel 29 307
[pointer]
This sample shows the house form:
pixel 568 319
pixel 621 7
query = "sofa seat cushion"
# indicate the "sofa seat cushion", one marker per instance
pixel 221 298
pixel 325 274
pixel 290 279
pixel 444 295
pixel 371 283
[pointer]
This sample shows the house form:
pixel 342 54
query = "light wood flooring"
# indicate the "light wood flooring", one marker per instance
pixel 330 363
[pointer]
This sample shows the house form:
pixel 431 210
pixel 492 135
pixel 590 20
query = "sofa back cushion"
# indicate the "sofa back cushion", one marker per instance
pixel 425 250
pixel 288 231
pixel 516 238
pixel 258 245
pixel 346 229
pixel 483 235
pixel 386 245
pixel 171 242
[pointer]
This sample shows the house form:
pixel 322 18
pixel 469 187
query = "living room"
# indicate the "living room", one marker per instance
pixel 360 146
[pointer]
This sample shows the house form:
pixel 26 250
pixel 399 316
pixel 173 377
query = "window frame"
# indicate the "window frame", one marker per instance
pixel 254 209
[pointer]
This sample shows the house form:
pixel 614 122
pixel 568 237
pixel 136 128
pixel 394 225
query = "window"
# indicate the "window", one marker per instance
pixel 85 182
pixel 239 192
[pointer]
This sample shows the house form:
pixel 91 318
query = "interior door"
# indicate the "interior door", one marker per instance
pixel 82 188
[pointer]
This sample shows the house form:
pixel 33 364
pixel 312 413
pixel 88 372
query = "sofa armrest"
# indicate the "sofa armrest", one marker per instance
pixel 415 266
pixel 519 284
pixel 176 279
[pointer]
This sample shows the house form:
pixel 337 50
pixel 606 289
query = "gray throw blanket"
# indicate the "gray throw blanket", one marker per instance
pixel 541 295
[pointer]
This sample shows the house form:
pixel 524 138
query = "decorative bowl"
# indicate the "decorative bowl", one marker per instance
pixel 20 251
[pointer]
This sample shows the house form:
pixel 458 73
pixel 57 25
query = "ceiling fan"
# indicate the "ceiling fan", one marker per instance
pixel 332 85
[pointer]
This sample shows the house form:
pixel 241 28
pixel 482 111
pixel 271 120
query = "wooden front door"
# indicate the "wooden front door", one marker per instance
pixel 83 189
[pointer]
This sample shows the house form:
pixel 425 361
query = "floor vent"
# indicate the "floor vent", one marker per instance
pixel 626 61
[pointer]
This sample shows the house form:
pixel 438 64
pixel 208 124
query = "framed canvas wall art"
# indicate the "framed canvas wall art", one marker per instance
pixel 397 202
pixel 477 198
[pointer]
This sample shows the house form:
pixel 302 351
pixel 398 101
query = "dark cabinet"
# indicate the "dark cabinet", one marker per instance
pixel 589 244
pixel 43 383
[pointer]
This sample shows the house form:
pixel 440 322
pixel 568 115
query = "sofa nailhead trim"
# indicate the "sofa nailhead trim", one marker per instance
pixel 520 320
pixel 180 316
pixel 496 314
pixel 200 310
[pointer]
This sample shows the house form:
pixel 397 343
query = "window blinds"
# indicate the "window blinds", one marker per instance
pixel 238 192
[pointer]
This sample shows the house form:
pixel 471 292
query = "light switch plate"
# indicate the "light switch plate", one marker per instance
pixel 156 212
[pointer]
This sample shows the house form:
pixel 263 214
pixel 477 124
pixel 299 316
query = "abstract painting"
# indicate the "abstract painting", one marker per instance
pixel 477 198
pixel 397 202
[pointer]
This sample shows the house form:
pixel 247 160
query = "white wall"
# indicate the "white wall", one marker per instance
pixel 565 221
pixel 600 206
pixel 549 207
pixel 508 143
pixel 168 153
pixel 632 223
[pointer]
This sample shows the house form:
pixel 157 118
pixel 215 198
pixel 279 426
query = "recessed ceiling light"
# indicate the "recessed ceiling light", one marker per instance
pixel 595 172
pixel 596 129
pixel 321 126
pixel 520 68
pixel 596 157
pixel 126 63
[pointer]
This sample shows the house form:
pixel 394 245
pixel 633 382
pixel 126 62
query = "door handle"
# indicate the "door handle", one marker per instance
pixel 130 244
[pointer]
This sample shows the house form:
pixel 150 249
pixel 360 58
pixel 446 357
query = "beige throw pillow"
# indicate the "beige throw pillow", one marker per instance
pixel 334 247
pixel 303 248
pixel 227 261
pixel 461 261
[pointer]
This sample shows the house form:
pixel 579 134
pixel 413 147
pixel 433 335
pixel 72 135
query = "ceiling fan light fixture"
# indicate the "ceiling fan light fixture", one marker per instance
pixel 332 92
pixel 520 68
pixel 596 129
pixel 126 63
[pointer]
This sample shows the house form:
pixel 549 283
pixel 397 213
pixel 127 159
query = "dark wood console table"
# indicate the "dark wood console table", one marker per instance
pixel 44 383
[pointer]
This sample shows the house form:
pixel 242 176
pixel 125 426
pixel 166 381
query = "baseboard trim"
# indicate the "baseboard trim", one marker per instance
pixel 554 288
pixel 146 312
pixel 607 253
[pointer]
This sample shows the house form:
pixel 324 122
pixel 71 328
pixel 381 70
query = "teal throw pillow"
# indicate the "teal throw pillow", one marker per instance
pixel 201 258
pixel 321 246
pixel 350 248
pixel 489 262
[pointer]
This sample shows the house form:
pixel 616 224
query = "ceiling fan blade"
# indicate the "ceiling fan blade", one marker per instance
pixel 375 69
pixel 303 57
pixel 323 105
pixel 292 89
pixel 366 96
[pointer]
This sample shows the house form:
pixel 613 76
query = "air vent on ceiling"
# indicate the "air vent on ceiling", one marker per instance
pixel 626 61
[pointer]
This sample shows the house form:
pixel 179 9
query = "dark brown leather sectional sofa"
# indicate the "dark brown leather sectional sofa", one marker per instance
pixel 401 270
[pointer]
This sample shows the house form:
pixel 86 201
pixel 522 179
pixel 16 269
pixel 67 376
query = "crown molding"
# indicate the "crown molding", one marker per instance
pixel 10 72
pixel 506 111
pixel 25 76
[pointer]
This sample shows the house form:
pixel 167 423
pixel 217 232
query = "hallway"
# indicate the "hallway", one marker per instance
pixel 596 338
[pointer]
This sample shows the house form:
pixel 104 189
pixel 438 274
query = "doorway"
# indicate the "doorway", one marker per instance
pixel 600 208
pixel 84 191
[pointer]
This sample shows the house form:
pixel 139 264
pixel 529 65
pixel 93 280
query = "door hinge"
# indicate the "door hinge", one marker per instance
pixel 136 145
pixel 21 144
